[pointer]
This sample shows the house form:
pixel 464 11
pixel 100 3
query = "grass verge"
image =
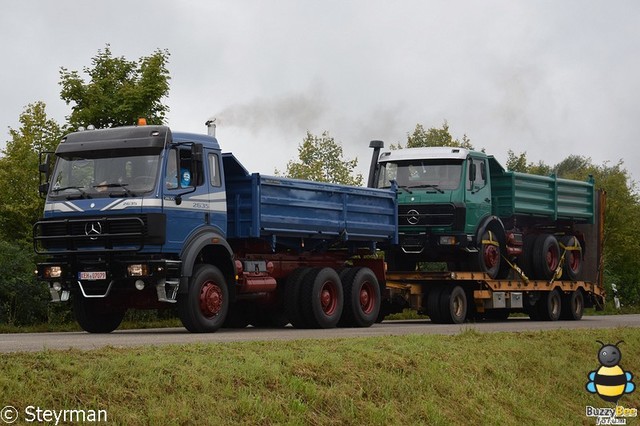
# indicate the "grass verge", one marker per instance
pixel 470 378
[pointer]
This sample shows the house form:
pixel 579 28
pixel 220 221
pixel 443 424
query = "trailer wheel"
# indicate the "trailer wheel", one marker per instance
pixel 549 306
pixel 322 298
pixel 572 258
pixel 433 304
pixel 361 298
pixel 292 306
pixel 572 305
pixel 546 256
pixel 204 308
pixel 453 305
pixel 95 316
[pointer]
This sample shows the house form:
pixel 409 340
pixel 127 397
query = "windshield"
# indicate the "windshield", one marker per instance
pixel 438 174
pixel 81 176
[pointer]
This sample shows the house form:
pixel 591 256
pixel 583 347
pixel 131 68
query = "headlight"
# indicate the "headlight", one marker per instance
pixel 447 240
pixel 137 270
pixel 52 271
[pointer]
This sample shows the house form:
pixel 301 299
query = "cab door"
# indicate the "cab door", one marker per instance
pixel 185 195
pixel 477 193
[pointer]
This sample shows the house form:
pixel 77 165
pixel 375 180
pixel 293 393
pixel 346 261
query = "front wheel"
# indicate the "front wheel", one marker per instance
pixel 95 315
pixel 453 305
pixel 204 307
pixel 489 257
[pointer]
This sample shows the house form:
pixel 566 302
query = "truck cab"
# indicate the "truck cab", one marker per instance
pixel 444 197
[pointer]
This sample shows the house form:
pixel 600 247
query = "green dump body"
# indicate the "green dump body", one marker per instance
pixel 517 194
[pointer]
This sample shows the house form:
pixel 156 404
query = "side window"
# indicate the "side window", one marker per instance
pixel 214 170
pixel 180 169
pixel 477 174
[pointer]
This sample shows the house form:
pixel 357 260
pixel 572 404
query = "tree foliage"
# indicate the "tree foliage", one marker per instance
pixel 19 179
pixel 119 91
pixel 434 137
pixel 321 159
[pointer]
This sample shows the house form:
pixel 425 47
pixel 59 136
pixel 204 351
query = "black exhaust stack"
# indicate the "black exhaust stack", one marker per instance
pixel 373 170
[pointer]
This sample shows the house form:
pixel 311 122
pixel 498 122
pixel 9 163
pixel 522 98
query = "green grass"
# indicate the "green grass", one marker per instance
pixel 470 378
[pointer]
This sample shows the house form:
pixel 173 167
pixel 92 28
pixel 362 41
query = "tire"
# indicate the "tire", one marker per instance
pixel 321 298
pixel 549 307
pixel 572 306
pixel 572 259
pixel 293 309
pixel 433 304
pixel 95 315
pixel 453 305
pixel 525 259
pixel 204 308
pixel 489 257
pixel 362 299
pixel 546 256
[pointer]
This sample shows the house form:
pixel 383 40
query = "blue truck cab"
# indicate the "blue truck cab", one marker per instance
pixel 142 217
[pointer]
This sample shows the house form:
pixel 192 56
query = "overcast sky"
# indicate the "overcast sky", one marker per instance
pixel 552 78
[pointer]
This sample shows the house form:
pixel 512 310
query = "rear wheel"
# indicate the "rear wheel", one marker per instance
pixel 293 309
pixel 572 305
pixel 204 307
pixel 321 298
pixel 361 298
pixel 95 315
pixel 546 256
pixel 573 257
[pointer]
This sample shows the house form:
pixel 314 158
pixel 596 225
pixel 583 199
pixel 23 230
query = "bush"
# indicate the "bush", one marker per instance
pixel 23 301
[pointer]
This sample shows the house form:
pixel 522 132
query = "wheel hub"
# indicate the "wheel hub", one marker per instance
pixel 210 299
pixel 328 298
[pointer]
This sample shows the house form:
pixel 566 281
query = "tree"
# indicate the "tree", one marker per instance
pixel 19 179
pixel 321 159
pixel 434 137
pixel 119 91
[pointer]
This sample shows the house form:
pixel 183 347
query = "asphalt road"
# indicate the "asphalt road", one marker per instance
pixel 33 342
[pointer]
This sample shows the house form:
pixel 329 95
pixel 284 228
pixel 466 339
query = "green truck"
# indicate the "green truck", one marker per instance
pixel 540 236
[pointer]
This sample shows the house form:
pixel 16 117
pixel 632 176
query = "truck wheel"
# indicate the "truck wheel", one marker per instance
pixel 572 258
pixel 489 258
pixel 321 298
pixel 95 315
pixel 361 298
pixel 205 306
pixel 293 309
pixel 453 305
pixel 572 306
pixel 433 304
pixel 546 256
pixel 525 259
pixel 549 307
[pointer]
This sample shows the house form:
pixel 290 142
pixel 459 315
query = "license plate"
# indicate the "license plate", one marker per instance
pixel 92 275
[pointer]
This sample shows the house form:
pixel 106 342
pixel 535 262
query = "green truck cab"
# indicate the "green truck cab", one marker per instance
pixel 462 207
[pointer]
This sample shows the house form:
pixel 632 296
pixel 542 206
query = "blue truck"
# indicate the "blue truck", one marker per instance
pixel 142 217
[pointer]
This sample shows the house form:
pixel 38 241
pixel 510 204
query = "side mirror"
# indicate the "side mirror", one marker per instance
pixel 45 173
pixel 472 172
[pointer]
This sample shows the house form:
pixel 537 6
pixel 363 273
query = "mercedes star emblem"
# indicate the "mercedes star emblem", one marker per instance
pixel 413 217
pixel 93 229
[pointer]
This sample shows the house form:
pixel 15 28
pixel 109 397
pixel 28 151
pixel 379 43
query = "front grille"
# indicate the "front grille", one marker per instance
pixel 105 233
pixel 430 215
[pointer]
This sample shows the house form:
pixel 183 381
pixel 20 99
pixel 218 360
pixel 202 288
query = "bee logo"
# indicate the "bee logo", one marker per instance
pixel 610 381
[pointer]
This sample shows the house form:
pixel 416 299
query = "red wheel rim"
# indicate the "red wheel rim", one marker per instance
pixel 367 297
pixel 329 298
pixel 552 258
pixel 210 299
pixel 491 256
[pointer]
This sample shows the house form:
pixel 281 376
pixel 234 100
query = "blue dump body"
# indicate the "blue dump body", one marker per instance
pixel 276 207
